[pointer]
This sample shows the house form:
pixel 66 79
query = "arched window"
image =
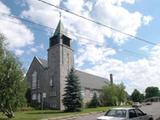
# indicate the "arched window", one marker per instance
pixel 34 80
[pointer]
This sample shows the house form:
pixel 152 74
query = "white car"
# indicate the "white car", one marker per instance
pixel 136 104
pixel 125 114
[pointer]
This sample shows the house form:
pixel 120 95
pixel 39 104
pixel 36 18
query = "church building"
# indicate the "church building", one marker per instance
pixel 46 78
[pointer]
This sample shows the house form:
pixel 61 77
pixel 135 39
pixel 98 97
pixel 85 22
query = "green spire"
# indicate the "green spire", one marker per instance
pixel 60 29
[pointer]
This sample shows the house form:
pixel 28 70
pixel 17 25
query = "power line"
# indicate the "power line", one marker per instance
pixel 32 22
pixel 76 34
pixel 19 24
pixel 99 23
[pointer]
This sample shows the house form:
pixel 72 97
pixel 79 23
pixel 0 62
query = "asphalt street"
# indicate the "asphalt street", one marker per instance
pixel 153 109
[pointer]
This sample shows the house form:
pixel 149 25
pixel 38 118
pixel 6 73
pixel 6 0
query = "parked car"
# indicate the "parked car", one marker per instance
pixel 148 103
pixel 125 114
pixel 136 104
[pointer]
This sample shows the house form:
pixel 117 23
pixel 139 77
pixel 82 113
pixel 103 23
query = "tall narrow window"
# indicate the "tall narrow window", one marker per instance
pixel 34 96
pixel 34 80
pixel 51 82
pixel 39 97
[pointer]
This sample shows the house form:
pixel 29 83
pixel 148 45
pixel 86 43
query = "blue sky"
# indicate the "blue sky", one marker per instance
pixel 109 53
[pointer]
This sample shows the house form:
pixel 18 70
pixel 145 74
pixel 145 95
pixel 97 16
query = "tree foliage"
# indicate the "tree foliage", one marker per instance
pixel 113 95
pixel 152 92
pixel 28 96
pixel 72 98
pixel 94 102
pixel 136 96
pixel 12 86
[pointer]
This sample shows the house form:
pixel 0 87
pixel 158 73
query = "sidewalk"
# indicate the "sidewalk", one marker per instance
pixel 70 117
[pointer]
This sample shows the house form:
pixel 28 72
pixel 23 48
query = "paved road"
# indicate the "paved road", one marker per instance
pixel 153 109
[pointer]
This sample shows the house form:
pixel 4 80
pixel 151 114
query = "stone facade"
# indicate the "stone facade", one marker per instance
pixel 46 78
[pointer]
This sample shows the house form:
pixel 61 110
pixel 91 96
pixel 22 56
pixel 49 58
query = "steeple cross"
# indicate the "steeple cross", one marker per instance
pixel 60 15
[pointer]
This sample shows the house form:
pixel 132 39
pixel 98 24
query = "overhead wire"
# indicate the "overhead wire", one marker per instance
pixel 99 23
pixel 71 33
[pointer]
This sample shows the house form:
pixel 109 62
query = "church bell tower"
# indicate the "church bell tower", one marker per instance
pixel 60 61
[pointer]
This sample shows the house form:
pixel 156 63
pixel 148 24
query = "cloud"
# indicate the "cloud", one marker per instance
pixel 19 52
pixel 42 13
pixel 16 33
pixel 119 2
pixel 4 8
pixel 109 12
pixel 144 48
pixel 147 20
pixel 117 16
pixel 137 74
pixel 34 50
pixel 92 54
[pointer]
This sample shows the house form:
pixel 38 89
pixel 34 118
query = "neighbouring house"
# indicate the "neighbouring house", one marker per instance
pixel 46 78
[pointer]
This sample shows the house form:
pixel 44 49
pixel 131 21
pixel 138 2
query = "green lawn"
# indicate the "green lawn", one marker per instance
pixel 39 114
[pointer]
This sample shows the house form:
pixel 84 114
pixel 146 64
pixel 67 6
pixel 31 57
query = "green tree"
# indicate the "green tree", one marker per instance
pixel 121 93
pixel 94 102
pixel 113 95
pixel 136 96
pixel 109 95
pixel 151 92
pixel 28 96
pixel 72 98
pixel 12 85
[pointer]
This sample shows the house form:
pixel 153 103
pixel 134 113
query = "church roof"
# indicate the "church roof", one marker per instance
pixel 43 62
pixel 86 80
pixel 91 81
pixel 60 29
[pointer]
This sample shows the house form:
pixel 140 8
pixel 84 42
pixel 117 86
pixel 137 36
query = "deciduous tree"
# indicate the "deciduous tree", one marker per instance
pixel 12 86
pixel 152 92
pixel 113 95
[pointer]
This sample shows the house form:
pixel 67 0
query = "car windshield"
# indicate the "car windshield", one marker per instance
pixel 116 113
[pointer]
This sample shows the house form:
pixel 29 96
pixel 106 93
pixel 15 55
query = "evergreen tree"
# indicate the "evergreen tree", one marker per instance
pixel 72 98
pixel 94 102
pixel 12 86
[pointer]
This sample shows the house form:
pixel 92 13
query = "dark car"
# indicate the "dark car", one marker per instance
pixel 148 103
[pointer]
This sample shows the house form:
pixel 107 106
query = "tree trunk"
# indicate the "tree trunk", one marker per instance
pixel 9 114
